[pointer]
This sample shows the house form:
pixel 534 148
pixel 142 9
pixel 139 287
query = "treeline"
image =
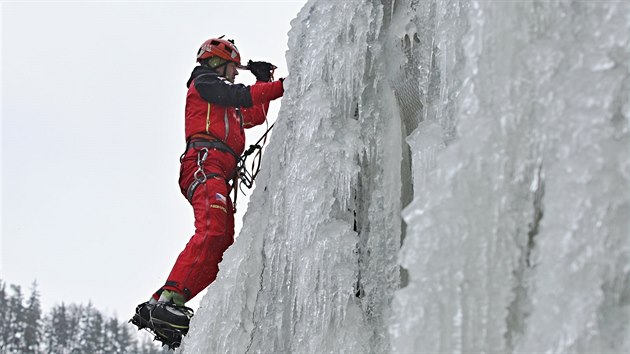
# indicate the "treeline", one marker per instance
pixel 65 329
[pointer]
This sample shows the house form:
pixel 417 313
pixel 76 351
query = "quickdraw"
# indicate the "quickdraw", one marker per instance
pixel 242 173
pixel 202 155
pixel 247 178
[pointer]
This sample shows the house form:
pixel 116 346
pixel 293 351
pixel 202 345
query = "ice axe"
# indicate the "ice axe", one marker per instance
pixel 262 70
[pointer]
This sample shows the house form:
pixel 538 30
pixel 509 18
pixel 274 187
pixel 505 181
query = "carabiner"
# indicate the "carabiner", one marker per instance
pixel 200 174
pixel 202 158
pixel 203 177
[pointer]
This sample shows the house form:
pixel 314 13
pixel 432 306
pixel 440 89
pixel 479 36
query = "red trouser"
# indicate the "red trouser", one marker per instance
pixel 198 264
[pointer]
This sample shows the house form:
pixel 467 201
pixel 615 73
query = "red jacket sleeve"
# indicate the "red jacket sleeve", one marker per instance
pixel 255 115
pixel 263 92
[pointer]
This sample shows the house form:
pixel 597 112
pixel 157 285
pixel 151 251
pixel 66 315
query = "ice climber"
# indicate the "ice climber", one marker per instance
pixel 217 111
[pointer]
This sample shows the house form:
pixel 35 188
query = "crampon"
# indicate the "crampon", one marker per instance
pixel 162 332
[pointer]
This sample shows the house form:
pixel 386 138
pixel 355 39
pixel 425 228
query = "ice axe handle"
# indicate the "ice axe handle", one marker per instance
pixel 263 71
pixel 246 67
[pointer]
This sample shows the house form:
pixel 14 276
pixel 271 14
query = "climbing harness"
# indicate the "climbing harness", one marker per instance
pixel 247 177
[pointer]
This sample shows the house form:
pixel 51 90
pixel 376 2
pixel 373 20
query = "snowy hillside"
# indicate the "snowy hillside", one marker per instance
pixel 444 176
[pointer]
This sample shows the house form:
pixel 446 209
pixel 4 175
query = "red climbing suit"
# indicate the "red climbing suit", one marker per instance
pixel 212 114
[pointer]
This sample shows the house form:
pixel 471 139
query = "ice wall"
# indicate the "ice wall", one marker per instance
pixel 497 130
pixel 517 237
pixel 315 266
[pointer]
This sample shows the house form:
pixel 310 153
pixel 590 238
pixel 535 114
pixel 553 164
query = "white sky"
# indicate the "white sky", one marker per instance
pixel 92 130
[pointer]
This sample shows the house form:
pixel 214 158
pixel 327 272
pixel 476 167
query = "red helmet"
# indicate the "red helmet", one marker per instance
pixel 221 48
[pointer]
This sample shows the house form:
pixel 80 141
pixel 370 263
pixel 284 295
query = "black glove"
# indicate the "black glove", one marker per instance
pixel 261 69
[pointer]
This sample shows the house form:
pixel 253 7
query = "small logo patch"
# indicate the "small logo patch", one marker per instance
pixel 220 197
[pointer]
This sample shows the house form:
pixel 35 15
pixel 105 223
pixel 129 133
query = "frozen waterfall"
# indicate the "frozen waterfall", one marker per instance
pixel 444 177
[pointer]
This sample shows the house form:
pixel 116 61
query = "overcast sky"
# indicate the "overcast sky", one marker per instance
pixel 92 130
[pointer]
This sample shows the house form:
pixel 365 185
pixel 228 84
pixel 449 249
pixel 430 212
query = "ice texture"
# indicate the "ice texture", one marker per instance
pixel 489 139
